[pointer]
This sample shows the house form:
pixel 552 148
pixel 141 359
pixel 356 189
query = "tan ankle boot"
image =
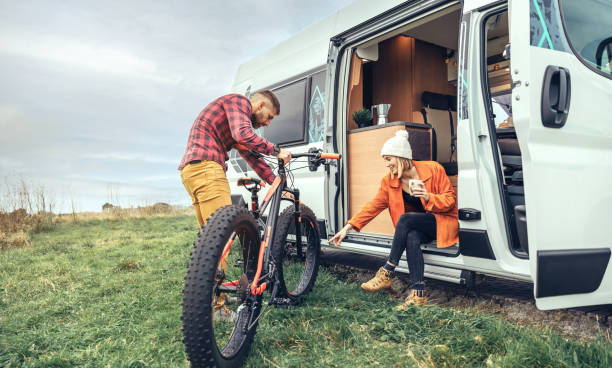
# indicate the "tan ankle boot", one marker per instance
pixel 416 297
pixel 381 281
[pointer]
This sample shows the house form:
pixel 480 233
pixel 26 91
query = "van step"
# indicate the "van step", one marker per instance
pixel 438 273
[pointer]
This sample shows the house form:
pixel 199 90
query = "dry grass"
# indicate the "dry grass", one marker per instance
pixel 14 240
pixel 27 208
pixel 118 213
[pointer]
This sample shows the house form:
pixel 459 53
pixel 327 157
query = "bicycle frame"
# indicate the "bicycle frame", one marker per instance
pixel 273 197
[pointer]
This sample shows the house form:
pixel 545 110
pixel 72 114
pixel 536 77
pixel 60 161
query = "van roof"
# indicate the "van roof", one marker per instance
pixel 307 49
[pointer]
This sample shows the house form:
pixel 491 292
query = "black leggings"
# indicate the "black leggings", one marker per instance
pixel 412 229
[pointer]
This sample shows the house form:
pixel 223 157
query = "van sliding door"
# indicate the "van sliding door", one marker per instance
pixel 562 111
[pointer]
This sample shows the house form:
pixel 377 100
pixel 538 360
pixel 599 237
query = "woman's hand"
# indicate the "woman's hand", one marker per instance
pixel 337 239
pixel 420 192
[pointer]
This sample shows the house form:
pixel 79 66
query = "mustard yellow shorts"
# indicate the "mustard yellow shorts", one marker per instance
pixel 208 188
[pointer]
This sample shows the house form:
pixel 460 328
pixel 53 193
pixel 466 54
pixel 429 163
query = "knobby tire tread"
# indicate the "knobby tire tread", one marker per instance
pixel 285 220
pixel 198 334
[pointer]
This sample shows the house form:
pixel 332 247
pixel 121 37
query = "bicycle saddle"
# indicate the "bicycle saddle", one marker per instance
pixel 245 181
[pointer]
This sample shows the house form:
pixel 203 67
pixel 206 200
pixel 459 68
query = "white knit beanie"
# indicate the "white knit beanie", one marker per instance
pixel 397 145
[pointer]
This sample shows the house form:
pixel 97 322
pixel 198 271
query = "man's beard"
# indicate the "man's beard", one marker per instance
pixel 254 122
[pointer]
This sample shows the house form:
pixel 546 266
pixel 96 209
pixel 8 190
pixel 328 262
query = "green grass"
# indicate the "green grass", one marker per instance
pixel 108 294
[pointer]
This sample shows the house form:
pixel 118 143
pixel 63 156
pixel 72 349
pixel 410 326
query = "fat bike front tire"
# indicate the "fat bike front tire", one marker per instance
pixel 297 267
pixel 211 336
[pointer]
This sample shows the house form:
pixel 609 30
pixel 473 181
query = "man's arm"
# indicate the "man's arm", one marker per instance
pixel 259 165
pixel 238 111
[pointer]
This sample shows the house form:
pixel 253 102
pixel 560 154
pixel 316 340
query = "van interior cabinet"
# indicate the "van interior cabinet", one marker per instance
pixel 406 67
pixel 366 167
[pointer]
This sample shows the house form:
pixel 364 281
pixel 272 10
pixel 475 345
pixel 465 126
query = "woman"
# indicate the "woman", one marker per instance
pixel 428 213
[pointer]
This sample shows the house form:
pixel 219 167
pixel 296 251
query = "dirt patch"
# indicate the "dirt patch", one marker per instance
pixel 513 300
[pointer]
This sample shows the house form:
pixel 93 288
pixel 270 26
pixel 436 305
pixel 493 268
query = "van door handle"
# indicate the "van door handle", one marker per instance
pixel 556 93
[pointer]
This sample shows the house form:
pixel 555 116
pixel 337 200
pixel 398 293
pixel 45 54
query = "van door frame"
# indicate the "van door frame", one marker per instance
pixel 492 11
pixel 388 20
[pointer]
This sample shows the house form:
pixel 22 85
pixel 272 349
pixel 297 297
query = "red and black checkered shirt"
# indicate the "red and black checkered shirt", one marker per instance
pixel 223 123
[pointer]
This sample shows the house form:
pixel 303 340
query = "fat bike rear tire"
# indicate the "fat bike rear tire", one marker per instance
pixel 211 338
pixel 297 268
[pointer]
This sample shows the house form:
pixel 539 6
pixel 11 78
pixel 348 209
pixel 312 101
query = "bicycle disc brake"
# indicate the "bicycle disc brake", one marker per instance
pixel 242 289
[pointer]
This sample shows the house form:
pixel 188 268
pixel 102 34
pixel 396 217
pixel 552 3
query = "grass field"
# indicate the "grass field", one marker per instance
pixel 108 294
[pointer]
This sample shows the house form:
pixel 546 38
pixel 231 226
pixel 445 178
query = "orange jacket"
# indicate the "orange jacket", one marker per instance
pixel 442 202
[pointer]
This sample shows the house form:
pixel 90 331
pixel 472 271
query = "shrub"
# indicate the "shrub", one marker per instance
pixel 14 240
pixel 19 221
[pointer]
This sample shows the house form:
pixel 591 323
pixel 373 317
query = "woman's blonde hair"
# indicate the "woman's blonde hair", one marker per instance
pixel 402 164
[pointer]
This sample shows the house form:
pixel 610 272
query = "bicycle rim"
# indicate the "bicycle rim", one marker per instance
pixel 233 308
pixel 300 264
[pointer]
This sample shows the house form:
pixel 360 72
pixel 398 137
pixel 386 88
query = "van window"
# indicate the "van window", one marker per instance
pixel 316 110
pixel 288 126
pixel 587 23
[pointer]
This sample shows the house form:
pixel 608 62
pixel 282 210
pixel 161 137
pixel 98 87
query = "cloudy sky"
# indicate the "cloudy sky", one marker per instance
pixel 97 97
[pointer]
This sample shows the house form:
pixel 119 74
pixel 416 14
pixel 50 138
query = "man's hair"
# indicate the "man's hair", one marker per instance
pixel 270 96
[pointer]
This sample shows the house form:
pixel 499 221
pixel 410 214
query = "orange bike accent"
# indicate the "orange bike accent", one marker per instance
pixel 246 180
pixel 334 156
pixel 228 246
pixel 240 147
pixel 272 189
pixel 230 283
pixel 258 290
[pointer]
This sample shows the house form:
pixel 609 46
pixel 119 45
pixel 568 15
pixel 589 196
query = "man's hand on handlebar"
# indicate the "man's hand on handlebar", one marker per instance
pixel 285 155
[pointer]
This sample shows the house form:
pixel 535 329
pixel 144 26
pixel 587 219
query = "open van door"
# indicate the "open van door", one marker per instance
pixel 562 110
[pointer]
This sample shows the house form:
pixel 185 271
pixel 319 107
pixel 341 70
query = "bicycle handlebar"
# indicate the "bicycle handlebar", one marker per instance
pixel 316 155
pixel 331 156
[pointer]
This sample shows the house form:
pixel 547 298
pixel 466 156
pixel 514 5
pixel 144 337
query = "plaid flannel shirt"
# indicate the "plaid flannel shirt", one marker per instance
pixel 223 123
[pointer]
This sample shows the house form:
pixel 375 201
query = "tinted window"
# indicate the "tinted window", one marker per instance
pixel 288 126
pixel 588 24
pixel 316 108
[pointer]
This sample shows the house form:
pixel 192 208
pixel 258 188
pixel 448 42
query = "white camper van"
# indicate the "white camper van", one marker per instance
pixel 513 98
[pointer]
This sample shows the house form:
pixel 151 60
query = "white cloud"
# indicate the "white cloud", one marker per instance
pixel 105 92
pixel 130 156
pixel 82 54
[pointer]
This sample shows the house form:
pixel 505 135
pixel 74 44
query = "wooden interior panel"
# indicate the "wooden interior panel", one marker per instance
pixel 392 77
pixel 355 94
pixel 430 72
pixel 366 170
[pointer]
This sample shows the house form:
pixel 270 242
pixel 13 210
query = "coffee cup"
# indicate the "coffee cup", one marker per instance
pixel 415 184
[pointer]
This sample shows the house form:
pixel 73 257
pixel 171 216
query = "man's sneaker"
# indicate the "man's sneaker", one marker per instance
pixel 416 297
pixel 381 281
pixel 224 314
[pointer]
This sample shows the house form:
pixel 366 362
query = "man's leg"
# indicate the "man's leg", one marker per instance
pixel 208 188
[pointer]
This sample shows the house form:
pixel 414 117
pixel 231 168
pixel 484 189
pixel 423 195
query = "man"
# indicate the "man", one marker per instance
pixel 225 122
